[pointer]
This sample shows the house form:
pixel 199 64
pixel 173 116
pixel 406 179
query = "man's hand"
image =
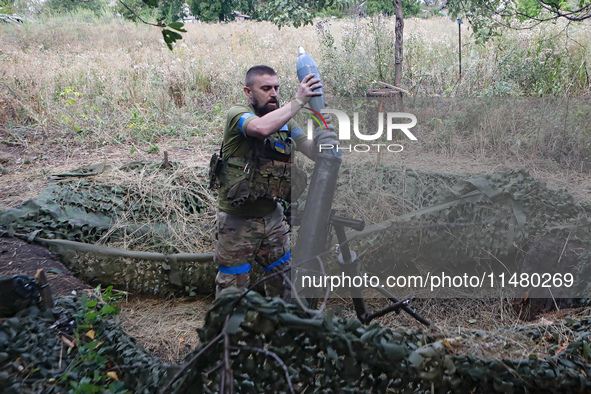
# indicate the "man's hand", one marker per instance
pixel 306 88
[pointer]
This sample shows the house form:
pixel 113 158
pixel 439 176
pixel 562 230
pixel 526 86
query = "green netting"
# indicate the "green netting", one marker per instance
pixel 160 211
pixel 269 339
pixel 35 359
pixel 273 346
pixel 479 222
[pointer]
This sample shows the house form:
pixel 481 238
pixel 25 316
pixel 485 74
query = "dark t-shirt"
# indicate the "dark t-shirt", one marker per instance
pixel 238 144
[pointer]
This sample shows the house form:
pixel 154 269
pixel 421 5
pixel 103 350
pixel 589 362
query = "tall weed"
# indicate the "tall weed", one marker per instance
pixel 80 78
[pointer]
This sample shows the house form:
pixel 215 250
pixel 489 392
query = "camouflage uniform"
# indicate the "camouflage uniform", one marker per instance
pixel 244 240
pixel 252 231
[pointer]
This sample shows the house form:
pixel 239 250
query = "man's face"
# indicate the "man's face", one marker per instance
pixel 264 94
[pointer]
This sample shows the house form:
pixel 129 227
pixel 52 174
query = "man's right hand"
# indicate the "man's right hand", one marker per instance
pixel 307 87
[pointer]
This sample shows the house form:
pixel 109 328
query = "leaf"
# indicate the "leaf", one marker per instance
pixel 113 375
pixel 170 37
pixel 415 359
pixel 90 334
pixel 234 322
pixel 178 26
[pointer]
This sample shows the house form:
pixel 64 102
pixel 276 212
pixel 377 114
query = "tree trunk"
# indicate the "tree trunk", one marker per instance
pixel 398 43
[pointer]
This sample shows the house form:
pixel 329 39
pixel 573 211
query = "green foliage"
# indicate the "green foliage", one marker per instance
pixel 281 12
pixel 296 12
pixel 7 6
pixel 544 67
pixel 333 10
pixel 528 9
pixel 529 63
pixel 487 17
pixel 410 8
pixel 211 11
pixel 532 9
pixel 364 54
pixel 138 9
pixel 97 7
pixel 90 363
pixel 170 37
pixel 222 10
pixel 171 11
pixel 165 11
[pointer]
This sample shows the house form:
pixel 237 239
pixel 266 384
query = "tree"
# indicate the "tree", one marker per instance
pixel 281 12
pixel 487 16
pixel 65 6
pixel 223 10
pixel 211 11
pixel 387 7
pixel 171 10
pixel 7 6
pixel 168 15
pixel 166 11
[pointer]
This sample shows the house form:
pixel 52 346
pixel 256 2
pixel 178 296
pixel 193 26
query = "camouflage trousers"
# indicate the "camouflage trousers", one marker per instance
pixel 244 241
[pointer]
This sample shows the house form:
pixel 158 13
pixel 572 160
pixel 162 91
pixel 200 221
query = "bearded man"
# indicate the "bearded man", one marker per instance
pixel 255 174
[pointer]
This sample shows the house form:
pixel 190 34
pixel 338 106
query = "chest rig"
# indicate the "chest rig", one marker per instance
pixel 265 172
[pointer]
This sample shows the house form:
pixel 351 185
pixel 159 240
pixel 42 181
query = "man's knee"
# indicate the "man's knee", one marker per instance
pixel 223 281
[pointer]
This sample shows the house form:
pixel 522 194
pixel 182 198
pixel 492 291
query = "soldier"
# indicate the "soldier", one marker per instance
pixel 255 172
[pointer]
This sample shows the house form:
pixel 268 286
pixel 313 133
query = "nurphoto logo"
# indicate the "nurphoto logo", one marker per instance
pixel 393 125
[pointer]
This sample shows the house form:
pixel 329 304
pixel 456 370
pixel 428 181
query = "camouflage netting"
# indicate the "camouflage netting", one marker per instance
pixel 36 354
pixel 166 211
pixel 273 345
pixel 269 339
pixel 460 224
pixel 141 206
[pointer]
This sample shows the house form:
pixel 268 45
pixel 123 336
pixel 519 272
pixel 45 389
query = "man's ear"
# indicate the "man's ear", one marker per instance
pixel 248 92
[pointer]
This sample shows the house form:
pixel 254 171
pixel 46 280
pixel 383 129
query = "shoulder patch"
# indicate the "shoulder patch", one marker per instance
pixel 243 118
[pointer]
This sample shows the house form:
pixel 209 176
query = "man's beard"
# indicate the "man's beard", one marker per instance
pixel 262 110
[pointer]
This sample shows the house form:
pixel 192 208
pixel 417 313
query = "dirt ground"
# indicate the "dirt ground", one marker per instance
pixel 19 257
pixel 167 327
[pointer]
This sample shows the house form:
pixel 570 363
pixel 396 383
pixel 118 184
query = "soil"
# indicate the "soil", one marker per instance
pixel 19 257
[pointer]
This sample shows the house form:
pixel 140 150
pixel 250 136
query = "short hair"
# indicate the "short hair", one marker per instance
pixel 255 72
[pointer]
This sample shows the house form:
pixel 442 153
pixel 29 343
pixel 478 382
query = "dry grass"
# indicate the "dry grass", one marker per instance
pixel 166 328
pixel 175 200
pixel 482 327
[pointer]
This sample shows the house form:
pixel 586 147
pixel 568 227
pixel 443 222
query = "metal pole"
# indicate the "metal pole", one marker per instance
pixel 315 223
pixel 460 44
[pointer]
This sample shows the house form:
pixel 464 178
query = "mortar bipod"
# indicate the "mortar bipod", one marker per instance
pixel 352 267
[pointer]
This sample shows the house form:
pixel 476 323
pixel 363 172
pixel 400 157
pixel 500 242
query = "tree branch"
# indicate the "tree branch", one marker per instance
pixel 159 24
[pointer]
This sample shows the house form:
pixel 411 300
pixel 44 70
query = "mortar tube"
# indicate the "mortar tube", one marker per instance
pixel 315 223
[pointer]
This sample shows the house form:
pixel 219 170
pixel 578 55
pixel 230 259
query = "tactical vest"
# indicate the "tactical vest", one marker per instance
pixel 266 172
